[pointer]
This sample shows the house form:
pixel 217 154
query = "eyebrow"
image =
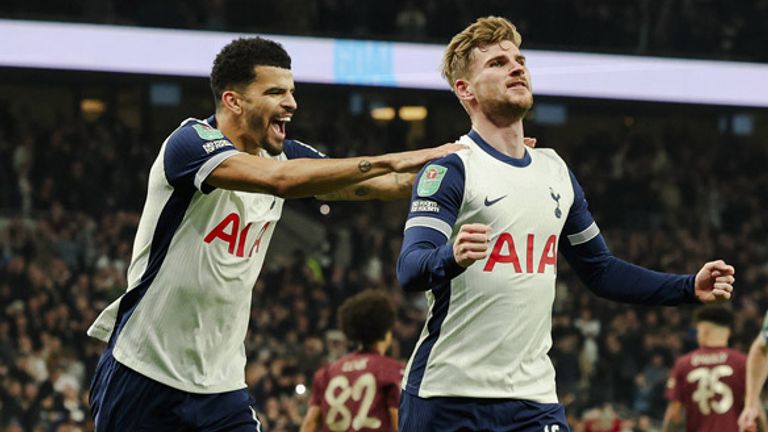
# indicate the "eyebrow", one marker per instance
pixel 496 57
pixel 280 89
pixel 519 58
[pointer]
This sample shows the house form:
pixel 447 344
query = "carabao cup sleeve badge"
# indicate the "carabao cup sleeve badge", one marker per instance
pixel 430 180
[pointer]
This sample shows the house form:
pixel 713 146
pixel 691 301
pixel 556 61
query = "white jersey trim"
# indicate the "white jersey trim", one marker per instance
pixel 211 165
pixel 434 223
pixel 588 234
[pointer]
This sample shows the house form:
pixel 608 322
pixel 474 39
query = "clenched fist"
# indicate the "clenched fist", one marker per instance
pixel 471 244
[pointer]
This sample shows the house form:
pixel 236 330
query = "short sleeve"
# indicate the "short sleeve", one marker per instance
pixel 192 153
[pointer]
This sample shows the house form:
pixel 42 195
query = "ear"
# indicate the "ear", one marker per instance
pixel 463 90
pixel 231 101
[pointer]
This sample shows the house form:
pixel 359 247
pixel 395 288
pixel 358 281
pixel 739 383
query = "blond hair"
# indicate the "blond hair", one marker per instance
pixel 483 32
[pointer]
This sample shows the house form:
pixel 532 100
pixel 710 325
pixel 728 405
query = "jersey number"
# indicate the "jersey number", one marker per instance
pixel 709 385
pixel 339 417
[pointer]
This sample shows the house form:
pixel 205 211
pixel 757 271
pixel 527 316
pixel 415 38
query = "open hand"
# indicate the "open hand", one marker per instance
pixel 412 161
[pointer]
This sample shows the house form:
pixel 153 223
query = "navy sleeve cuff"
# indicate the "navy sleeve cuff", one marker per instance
pixel 450 266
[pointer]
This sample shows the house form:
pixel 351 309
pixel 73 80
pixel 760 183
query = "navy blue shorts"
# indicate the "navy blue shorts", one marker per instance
pixel 454 414
pixel 125 400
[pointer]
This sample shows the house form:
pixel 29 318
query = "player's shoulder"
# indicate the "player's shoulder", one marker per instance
pixel 295 149
pixel 685 360
pixel 194 131
pixel 390 362
pixel 738 356
pixel 387 369
pixel 455 161
pixel 322 372
pixel 548 154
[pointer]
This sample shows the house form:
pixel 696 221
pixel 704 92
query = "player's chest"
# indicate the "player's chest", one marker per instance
pixel 534 196
pixel 236 222
pixel 249 207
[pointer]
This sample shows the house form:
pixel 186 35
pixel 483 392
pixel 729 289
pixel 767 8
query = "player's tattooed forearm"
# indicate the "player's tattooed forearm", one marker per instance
pixel 362 191
pixel 403 181
pixel 364 166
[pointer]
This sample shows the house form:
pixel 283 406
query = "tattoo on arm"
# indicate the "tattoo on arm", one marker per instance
pixel 364 166
pixel 362 191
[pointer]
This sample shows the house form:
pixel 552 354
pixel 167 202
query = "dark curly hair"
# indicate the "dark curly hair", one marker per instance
pixel 716 314
pixel 235 64
pixel 367 317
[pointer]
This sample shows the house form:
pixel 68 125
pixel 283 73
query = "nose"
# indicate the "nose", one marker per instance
pixel 516 68
pixel 289 102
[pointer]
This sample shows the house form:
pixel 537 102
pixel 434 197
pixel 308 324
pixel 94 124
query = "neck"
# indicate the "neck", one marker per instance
pixel 380 347
pixel 232 129
pixel 506 137
pixel 714 343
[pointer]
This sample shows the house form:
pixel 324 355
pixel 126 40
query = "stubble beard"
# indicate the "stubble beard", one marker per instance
pixel 265 140
pixel 503 111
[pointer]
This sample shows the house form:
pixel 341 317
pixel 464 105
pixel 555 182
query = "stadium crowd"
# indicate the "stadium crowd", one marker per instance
pixel 698 28
pixel 70 196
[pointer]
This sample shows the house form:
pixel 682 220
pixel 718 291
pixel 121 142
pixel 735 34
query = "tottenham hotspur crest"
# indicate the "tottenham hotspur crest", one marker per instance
pixel 556 197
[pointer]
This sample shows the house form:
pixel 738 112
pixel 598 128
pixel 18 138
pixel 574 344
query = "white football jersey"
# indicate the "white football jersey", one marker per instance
pixel 487 332
pixel 196 257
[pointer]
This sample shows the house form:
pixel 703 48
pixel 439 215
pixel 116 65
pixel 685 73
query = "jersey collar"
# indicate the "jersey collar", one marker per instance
pixel 212 121
pixel 520 163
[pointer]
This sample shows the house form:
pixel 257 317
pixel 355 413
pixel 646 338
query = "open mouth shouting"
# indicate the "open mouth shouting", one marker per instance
pixel 278 126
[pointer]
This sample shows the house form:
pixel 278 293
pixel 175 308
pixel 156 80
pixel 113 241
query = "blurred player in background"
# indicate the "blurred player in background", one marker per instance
pixel 360 391
pixel 707 384
pixel 482 239
pixel 757 371
pixel 175 357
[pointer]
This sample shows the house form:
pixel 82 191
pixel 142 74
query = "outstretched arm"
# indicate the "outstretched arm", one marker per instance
pixel 386 187
pixel 299 178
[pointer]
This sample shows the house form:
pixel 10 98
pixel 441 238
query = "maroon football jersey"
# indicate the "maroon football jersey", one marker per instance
pixel 356 392
pixel 709 382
